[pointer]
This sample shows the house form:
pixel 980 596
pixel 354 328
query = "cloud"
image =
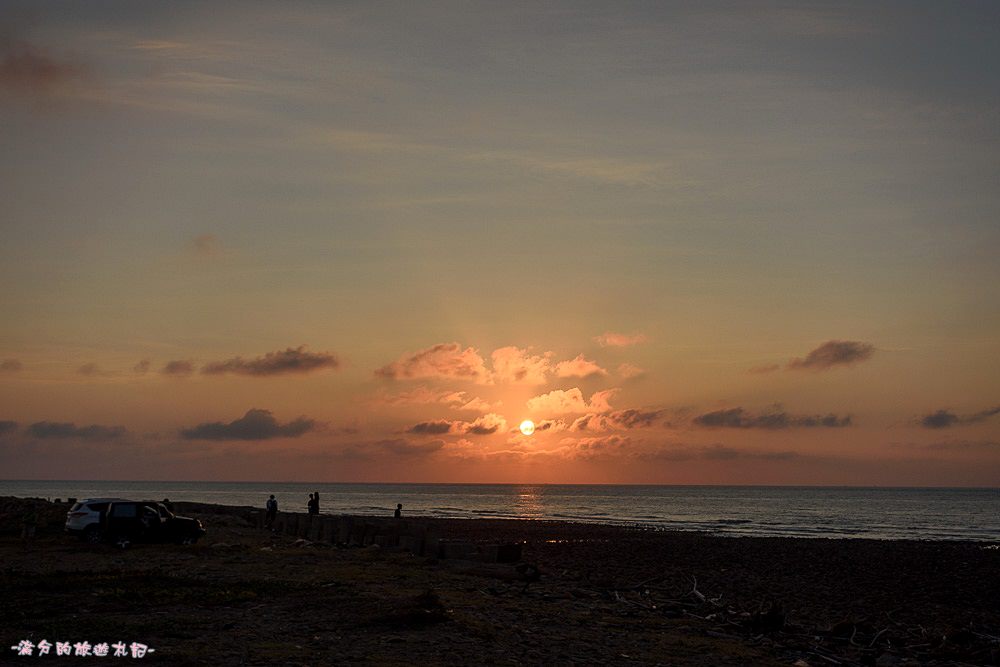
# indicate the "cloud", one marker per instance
pixel 982 416
pixel 612 339
pixel 630 371
pixel 400 447
pixel 178 368
pixel 485 425
pixel 570 401
pixel 578 367
pixel 142 367
pixel 834 353
pixel 7 427
pixel 618 420
pixel 10 366
pixel 514 365
pixel 716 452
pixel 445 360
pixel 765 369
pixel 436 427
pixel 394 448
pixel 589 449
pixel 960 445
pixel 206 245
pixel 291 360
pixel 458 400
pixel 738 418
pixel 29 69
pixel 256 424
pixel 67 430
pixel 946 419
pixel 553 425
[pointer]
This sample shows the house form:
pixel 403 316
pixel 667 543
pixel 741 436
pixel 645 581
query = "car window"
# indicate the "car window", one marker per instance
pixel 125 511
pixel 76 506
pixel 98 507
pixel 164 512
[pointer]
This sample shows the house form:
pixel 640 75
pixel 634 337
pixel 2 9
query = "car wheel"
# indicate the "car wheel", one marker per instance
pixel 92 535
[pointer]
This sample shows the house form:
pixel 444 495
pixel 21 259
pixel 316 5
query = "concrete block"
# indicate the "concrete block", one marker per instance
pixel 315 526
pixel 458 549
pixel 386 541
pixel 502 553
pixel 411 543
pixel 344 524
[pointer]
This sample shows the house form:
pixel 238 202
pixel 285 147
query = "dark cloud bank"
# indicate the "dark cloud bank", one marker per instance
pixel 67 430
pixel 946 418
pixel 291 360
pixel 740 418
pixel 256 424
pixel 832 354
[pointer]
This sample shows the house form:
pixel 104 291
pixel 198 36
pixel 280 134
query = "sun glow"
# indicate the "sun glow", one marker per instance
pixel 527 427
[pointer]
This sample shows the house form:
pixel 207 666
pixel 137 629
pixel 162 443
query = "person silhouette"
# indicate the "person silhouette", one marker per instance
pixel 399 511
pixel 272 512
pixel 311 504
pixel 316 503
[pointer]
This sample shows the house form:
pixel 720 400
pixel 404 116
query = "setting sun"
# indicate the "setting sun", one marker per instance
pixel 527 427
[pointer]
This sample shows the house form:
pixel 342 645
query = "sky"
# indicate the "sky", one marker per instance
pixel 694 243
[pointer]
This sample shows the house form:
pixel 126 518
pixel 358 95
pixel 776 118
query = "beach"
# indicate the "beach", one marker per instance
pixel 578 594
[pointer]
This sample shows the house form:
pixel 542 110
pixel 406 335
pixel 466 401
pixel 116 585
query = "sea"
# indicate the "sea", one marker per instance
pixel 786 511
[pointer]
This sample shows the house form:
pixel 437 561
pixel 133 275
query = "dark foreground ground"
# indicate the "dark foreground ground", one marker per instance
pixel 606 595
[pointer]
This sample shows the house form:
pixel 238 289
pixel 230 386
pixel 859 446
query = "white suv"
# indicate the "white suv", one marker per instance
pixel 84 518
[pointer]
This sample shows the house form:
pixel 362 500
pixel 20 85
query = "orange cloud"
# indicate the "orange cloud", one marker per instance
pixel 612 339
pixel 27 68
pixel 579 367
pixel 570 401
pixel 630 371
pixel 514 365
pixel 445 360
pixel 458 400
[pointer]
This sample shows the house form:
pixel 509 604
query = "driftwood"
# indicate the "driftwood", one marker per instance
pixel 851 643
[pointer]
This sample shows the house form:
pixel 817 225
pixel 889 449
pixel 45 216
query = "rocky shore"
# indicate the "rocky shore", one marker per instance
pixel 575 594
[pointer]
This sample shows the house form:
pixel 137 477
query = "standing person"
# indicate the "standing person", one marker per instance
pixel 311 504
pixel 316 503
pixel 399 511
pixel 272 512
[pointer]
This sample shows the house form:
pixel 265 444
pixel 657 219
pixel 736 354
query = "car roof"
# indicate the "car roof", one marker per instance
pixel 84 501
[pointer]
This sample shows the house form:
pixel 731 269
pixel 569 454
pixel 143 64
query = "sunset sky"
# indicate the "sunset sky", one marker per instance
pixel 698 243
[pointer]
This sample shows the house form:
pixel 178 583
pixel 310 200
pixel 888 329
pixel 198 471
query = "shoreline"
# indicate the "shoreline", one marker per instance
pixel 584 594
pixel 720 527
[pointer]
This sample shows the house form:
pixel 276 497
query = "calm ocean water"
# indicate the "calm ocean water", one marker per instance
pixel 882 513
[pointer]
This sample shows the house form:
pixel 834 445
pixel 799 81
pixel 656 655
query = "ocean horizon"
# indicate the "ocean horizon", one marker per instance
pixel 921 513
